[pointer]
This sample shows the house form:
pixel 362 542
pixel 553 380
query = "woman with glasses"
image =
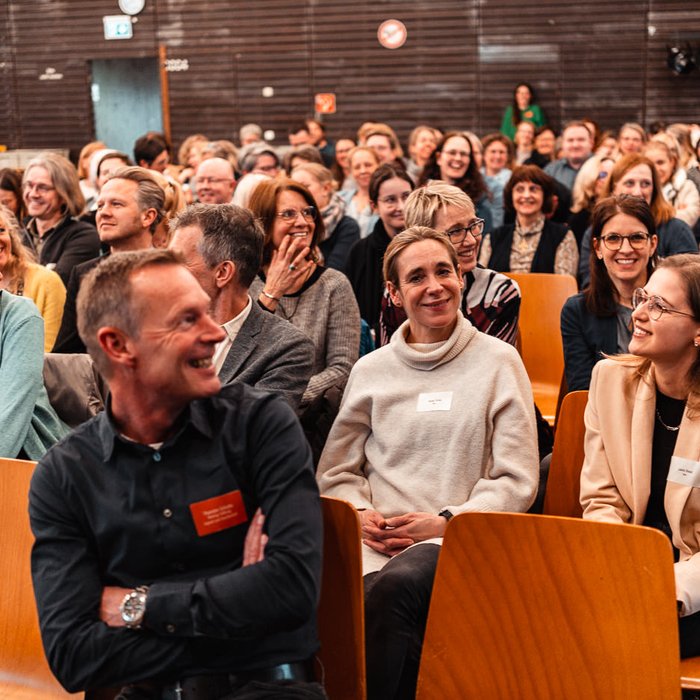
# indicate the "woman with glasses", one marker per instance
pixel 341 231
pixel 389 189
pixel 635 174
pixel 454 162
pixel 533 243
pixel 598 321
pixel 438 422
pixel 291 284
pixel 490 300
pixel 643 429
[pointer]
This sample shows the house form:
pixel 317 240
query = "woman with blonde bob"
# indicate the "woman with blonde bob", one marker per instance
pixel 397 450
pixel 643 429
pixel 22 276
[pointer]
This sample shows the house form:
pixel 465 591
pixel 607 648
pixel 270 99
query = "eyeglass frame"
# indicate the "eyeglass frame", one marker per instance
pixel 466 229
pixel 628 238
pixel 656 303
pixel 308 214
pixel 40 187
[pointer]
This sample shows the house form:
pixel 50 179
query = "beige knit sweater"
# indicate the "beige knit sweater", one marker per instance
pixel 384 452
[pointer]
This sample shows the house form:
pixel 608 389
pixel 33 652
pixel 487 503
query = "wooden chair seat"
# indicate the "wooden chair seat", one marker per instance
pixel 690 673
pixel 24 671
pixel 564 481
pixel 543 608
pixel 341 610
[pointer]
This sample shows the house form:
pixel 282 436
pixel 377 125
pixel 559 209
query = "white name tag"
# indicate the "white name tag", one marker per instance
pixel 685 472
pixel 436 401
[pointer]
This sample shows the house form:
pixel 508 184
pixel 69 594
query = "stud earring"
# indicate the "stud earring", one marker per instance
pixel 696 342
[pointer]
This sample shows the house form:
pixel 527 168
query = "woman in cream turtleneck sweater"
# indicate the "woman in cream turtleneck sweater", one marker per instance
pixel 436 423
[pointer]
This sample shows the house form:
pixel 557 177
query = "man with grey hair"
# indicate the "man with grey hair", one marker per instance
pixel 250 133
pixel 178 533
pixel 129 208
pixel 222 247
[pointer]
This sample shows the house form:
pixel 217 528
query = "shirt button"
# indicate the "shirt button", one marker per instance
pixel 156 457
pixel 167 513
pixel 170 628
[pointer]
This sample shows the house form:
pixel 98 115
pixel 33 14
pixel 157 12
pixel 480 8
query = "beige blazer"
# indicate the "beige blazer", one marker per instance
pixel 616 475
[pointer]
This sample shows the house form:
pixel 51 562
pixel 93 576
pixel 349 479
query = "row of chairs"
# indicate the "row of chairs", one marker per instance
pixel 524 606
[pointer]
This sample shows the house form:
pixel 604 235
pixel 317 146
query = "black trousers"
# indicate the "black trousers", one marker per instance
pixel 396 610
pixel 689 630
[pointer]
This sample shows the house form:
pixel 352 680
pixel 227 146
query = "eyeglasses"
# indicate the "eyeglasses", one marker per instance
pixel 291 215
pixel 40 187
pixel 457 235
pixel 655 305
pixel 613 241
pixel 392 200
pixel 212 180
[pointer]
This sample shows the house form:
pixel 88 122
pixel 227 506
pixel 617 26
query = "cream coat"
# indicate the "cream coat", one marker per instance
pixel 616 475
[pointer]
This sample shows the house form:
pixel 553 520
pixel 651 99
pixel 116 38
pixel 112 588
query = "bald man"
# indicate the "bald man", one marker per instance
pixel 215 181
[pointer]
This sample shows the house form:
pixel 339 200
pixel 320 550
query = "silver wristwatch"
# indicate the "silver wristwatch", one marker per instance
pixel 133 607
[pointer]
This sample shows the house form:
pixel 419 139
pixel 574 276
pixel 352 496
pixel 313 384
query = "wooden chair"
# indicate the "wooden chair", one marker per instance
pixel 561 496
pixel 341 611
pixel 24 672
pixel 542 351
pixel 542 608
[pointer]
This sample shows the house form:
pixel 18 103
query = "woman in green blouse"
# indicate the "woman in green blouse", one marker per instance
pixel 522 109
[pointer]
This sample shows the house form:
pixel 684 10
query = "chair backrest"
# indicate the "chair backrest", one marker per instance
pixel 543 296
pixel 341 610
pixel 540 607
pixel 561 496
pixel 24 672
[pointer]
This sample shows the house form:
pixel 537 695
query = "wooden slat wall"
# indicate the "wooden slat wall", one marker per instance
pixel 457 69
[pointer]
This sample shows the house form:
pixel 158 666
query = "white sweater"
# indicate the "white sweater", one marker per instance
pixel 387 454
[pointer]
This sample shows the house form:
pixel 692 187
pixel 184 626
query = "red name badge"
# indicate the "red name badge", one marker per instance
pixel 218 513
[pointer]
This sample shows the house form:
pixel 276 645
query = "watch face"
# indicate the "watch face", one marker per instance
pixel 131 7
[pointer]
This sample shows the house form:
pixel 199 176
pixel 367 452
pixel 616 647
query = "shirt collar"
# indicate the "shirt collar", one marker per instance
pixel 195 414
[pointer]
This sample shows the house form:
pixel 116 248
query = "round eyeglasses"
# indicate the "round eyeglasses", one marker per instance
pixel 290 215
pixel 457 235
pixel 656 306
pixel 613 241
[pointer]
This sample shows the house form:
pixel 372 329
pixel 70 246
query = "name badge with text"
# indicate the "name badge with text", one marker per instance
pixel 435 401
pixel 685 472
pixel 218 513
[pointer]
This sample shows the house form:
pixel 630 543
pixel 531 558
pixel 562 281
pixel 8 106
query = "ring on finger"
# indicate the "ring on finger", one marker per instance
pixel 292 267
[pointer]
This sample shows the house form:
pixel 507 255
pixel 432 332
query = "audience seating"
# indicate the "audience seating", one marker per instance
pixel 341 611
pixel 542 607
pixel 24 672
pixel 543 296
pixel 563 483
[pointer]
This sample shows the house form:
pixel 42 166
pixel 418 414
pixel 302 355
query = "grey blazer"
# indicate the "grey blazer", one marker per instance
pixel 270 353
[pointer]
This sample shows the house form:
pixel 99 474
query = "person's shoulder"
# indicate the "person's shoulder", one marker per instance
pixel 494 349
pixel 612 373
pixel 487 276
pixel 577 301
pixel 335 280
pixel 42 276
pixel 76 227
pixel 78 450
pixel 281 328
pixel 18 309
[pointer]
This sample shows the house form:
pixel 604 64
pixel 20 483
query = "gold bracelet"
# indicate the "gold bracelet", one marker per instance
pixel 269 296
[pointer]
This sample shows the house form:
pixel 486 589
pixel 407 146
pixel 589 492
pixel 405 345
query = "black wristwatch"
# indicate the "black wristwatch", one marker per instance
pixel 445 514
pixel 133 607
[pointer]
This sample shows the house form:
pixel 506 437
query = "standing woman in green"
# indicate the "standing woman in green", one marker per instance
pixel 523 109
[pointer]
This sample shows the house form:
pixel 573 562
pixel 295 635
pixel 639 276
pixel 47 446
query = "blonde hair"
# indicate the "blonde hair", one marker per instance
pixel 583 192
pixel 423 204
pixel 19 256
pixel 320 172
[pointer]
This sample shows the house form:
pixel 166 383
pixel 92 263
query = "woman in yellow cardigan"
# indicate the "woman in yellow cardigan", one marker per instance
pixel 24 277
pixel 642 461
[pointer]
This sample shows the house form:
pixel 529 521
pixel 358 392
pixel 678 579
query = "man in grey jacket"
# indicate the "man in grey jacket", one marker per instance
pixel 222 246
